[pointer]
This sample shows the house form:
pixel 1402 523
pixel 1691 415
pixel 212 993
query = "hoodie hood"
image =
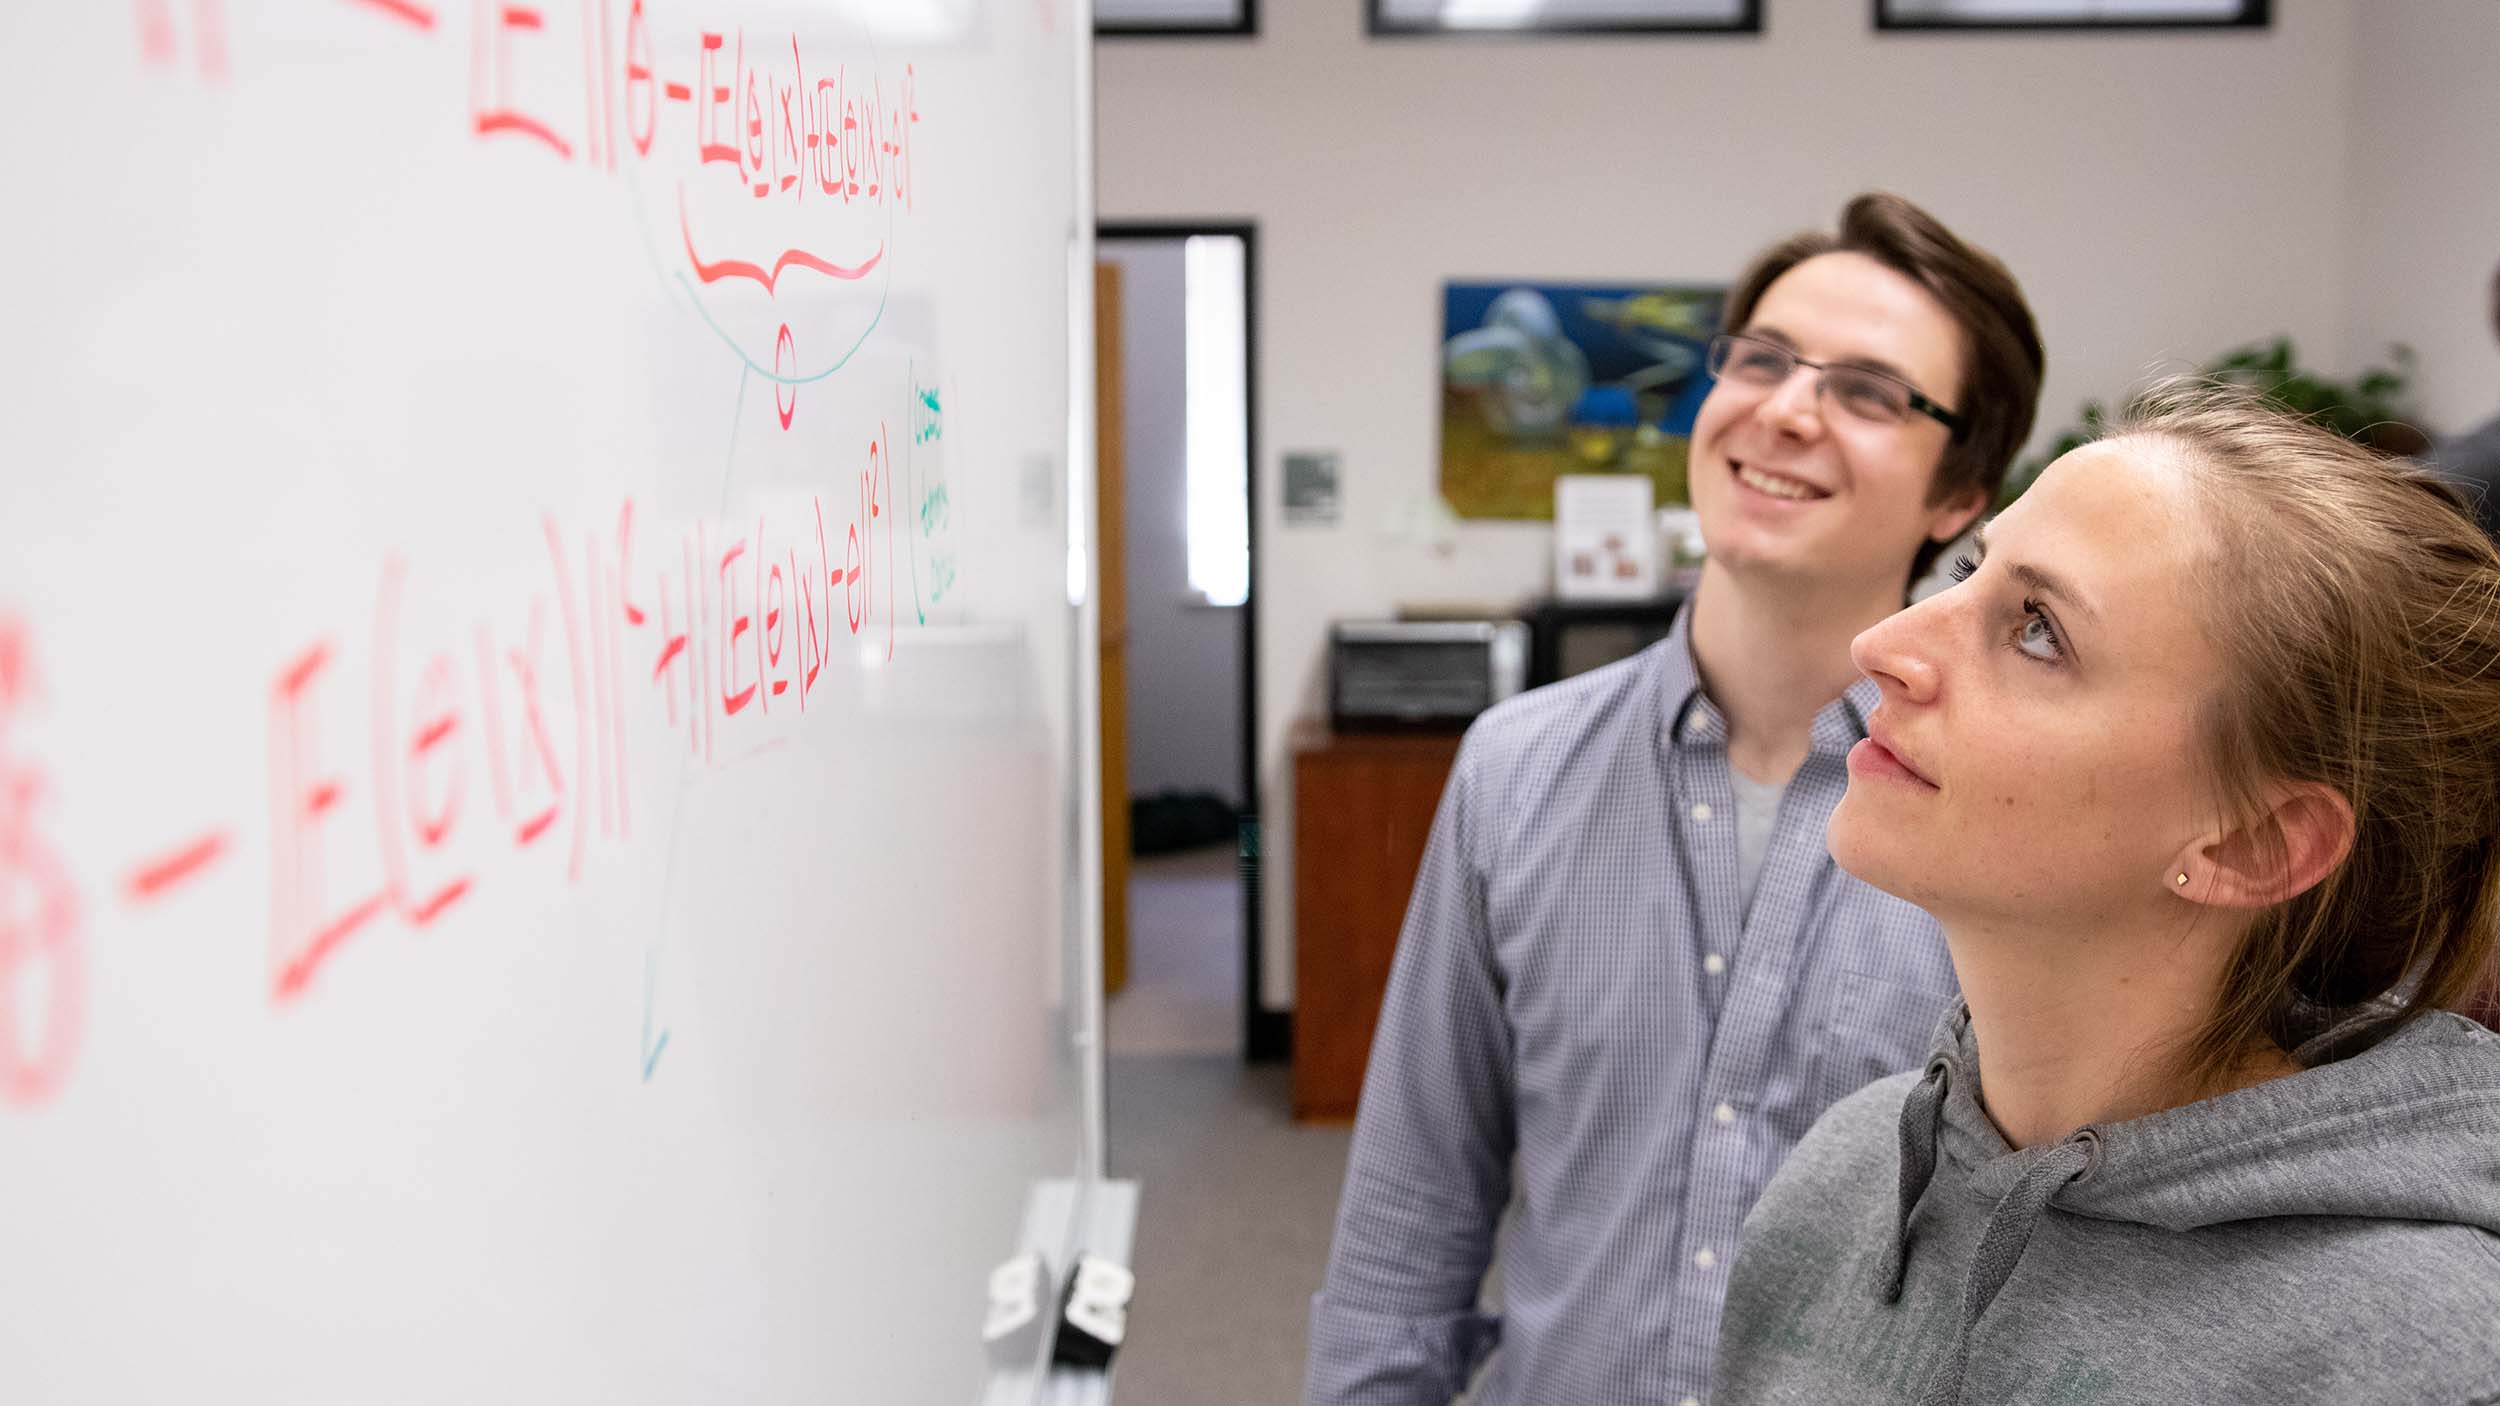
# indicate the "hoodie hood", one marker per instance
pixel 2406 1128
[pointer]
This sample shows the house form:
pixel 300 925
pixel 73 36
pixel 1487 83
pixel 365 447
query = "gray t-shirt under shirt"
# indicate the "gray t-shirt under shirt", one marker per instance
pixel 1757 805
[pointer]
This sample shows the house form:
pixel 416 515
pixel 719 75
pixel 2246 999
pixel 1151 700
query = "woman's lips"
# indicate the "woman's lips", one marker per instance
pixel 1873 759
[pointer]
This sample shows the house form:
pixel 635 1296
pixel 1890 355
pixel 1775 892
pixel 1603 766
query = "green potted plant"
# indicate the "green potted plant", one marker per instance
pixel 2373 408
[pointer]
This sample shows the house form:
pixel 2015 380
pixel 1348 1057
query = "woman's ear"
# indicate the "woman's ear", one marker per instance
pixel 2303 832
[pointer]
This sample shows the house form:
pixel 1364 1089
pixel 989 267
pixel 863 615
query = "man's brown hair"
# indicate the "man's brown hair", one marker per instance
pixel 2002 363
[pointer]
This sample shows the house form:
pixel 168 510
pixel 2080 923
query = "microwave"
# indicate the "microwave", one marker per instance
pixel 1572 637
pixel 1421 675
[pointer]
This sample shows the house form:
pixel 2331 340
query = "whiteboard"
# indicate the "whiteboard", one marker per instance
pixel 544 694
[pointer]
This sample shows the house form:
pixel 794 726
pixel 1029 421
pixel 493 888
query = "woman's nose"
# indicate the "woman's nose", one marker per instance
pixel 1894 653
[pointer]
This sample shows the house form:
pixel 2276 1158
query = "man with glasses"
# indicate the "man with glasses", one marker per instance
pixel 1630 975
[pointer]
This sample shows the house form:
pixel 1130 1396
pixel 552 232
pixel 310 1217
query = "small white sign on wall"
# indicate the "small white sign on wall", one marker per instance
pixel 1605 542
pixel 1311 487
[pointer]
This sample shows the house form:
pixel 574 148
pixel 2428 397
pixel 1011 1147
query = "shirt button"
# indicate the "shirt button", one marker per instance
pixel 1704 1259
pixel 1724 1114
pixel 1714 964
pixel 1701 811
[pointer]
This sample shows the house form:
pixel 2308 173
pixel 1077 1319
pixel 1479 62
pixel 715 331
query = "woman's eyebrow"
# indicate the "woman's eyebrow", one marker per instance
pixel 2042 583
pixel 2039 581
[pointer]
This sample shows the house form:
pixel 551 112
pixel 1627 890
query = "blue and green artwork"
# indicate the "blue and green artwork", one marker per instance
pixel 1543 379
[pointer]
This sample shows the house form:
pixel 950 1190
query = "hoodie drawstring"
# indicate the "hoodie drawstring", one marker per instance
pixel 1922 1115
pixel 2009 1229
pixel 2001 1247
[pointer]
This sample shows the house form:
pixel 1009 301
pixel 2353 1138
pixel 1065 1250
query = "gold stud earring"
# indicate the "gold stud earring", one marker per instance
pixel 2183 878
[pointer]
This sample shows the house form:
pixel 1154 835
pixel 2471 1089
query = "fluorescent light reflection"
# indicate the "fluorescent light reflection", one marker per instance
pixel 1488 14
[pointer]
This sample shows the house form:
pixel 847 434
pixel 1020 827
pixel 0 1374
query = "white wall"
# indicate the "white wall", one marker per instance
pixel 1184 659
pixel 2426 201
pixel 2159 195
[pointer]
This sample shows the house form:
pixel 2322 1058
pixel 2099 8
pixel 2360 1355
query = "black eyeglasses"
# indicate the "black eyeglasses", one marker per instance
pixel 1867 394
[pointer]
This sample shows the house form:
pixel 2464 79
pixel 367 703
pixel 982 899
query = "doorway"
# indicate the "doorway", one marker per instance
pixel 1180 629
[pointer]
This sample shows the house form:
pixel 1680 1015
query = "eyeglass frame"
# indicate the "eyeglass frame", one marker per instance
pixel 1725 342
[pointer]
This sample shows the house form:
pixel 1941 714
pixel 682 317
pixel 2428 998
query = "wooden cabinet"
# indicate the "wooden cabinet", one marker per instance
pixel 1362 809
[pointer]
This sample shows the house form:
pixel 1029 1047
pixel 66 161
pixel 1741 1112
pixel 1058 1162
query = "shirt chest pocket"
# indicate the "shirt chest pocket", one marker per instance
pixel 1872 1027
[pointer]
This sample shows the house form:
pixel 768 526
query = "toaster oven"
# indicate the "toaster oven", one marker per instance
pixel 1421 675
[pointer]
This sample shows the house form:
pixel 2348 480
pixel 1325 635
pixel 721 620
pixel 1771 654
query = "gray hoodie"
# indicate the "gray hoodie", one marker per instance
pixel 2332 1236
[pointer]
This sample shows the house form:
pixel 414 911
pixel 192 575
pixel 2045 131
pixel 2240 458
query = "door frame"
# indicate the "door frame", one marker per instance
pixel 1267 1036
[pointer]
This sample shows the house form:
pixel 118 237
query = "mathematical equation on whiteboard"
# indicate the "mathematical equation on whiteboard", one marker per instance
pixel 829 150
pixel 507 734
pixel 707 629
pixel 842 137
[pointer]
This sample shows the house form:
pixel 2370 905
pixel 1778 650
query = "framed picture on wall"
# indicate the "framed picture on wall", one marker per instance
pixel 1540 380
pixel 1564 16
pixel 1147 18
pixel 2073 14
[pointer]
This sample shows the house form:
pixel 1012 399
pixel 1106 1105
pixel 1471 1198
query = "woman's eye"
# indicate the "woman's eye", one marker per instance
pixel 1962 568
pixel 2038 638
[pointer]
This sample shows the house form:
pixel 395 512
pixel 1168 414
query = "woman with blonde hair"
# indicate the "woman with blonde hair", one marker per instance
pixel 2199 770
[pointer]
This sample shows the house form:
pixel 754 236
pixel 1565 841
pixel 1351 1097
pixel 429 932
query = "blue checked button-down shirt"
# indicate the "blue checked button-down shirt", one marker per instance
pixel 1580 987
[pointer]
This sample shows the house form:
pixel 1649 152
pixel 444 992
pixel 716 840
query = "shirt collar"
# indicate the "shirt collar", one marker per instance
pixel 1693 720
